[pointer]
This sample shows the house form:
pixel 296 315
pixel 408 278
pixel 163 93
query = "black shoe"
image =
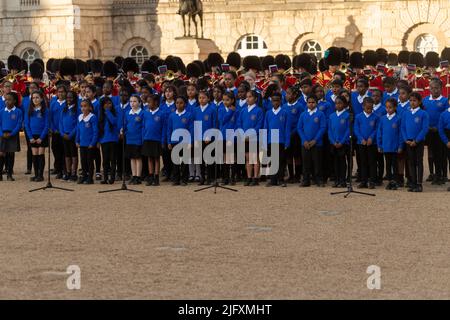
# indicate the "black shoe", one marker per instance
pixel 305 184
pixel 73 178
pixel 248 182
pixel 371 185
pixel 104 182
pixel 89 181
pixel 66 177
pixel 389 186
pixel 1 177
pixel 362 185
pixel 183 183
pixel 39 179
pixel 28 172
pixel 81 180
pixel 448 189
pixel 33 179
pixel 255 182
pixel 176 183
pixel 233 182
pixel 10 178
pixel 418 188
pixel 430 178
pixel 411 188
pixel 291 180
pixel 149 182
pixel 119 177
pixel 156 181
pixel 336 184
pixel 320 184
pixel 225 182
pixel 59 176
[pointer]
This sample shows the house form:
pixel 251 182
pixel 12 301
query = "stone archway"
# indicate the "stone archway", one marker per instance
pixel 410 36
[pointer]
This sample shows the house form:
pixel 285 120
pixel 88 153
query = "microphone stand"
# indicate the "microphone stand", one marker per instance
pixel 49 182
pixel 124 186
pixel 216 185
pixel 350 189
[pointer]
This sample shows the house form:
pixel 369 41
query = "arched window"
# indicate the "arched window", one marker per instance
pixel 425 43
pixel 313 48
pixel 252 45
pixel 29 55
pixel 139 53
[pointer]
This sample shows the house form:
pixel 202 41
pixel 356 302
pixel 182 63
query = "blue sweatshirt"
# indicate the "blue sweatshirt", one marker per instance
pixel 227 120
pixel 154 126
pixel 402 107
pixel 251 119
pixel 207 119
pixel 339 128
pixel 295 110
pixel 366 127
pixel 122 111
pixel 56 108
pixel 357 102
pixel 312 126
pixel 110 127
pixel 387 95
pixel 434 108
pixel 389 135
pixel 325 107
pixel 10 121
pixel 184 120
pixel 444 124
pixel 68 122
pixel 415 125
pixel 380 110
pixel 278 121
pixel 87 131
pixel 134 123
pixel 192 105
pixel 36 124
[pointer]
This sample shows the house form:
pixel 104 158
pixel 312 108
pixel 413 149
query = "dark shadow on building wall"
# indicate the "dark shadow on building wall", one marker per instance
pixel 352 39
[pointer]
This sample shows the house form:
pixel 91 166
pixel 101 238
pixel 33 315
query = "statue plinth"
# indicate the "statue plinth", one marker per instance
pixel 190 48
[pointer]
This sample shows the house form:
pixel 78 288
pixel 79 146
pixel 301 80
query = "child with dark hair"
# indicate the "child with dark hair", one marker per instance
pixel 108 138
pixel 68 129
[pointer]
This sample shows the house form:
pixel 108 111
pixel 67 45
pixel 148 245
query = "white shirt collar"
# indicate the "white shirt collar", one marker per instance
pixel 311 112
pixel 413 111
pixel 12 109
pixel 392 93
pixel 231 89
pixel 154 111
pixel 203 108
pixel 135 112
pixel 448 109
pixel 403 104
pixel 94 101
pixel 250 108
pixel 70 107
pixel 361 98
pixel 367 114
pixel 61 102
pixel 242 102
pixel 275 111
pixel 292 104
pixel 333 97
pixel 390 116
pixel 88 117
pixel 192 101
pixel 123 106
pixel 438 98
pixel 338 113
pixel 376 107
pixel 180 113
pixel 170 103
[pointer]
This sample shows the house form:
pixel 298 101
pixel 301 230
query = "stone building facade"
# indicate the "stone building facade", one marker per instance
pixel 140 28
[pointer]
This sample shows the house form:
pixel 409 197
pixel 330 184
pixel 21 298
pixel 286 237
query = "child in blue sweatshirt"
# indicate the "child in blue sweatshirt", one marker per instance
pixel 10 124
pixel 227 121
pixel 435 104
pixel 36 129
pixel 278 119
pixel 379 109
pixel 204 114
pixel 311 128
pixel 180 119
pixel 389 141
pixel 86 140
pixel 123 165
pixel 91 95
pixel 251 119
pixel 294 108
pixel 68 128
pixel 362 87
pixel 168 107
pixel 444 132
pixel 134 121
pixel 415 124
pixel 339 137
pixel 154 138
pixel 366 124
pixel 108 129
pixel 56 107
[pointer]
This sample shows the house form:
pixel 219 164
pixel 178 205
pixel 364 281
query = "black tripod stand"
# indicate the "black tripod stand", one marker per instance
pixel 350 166
pixel 216 185
pixel 124 186
pixel 49 182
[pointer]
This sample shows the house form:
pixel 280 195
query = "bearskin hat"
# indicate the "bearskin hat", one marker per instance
pixel 36 70
pixel 82 67
pixel 345 55
pixel 119 61
pixel 382 55
pixel 214 59
pixel 56 63
pixel 333 56
pixel 303 61
pixel 171 64
pixel 370 58
pixel 445 54
pixel 267 61
pixel 432 59
pixel 392 59
pixel 417 59
pixel 200 65
pixel 97 66
pixel 323 65
pixel 14 62
pixel 234 59
pixel 283 61
pixel 68 67
pixel 129 64
pixel 356 60
pixel 149 66
pixel 403 56
pixel 252 62
pixel 193 70
pixel 110 69
pixel 180 65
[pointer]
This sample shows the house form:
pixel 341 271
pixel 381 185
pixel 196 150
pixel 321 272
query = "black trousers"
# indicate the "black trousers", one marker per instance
pixel 327 158
pixel 119 158
pixel 109 154
pixel 437 148
pixel 312 163
pixel 207 170
pixel 340 158
pixel 415 163
pixel 87 161
pixel 368 156
pixel 180 172
pixel 29 155
pixel 278 176
pixel 391 166
pixel 167 162
pixel 58 152
pixel 380 167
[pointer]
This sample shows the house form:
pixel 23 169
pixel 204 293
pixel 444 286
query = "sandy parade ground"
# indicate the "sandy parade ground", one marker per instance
pixel 258 243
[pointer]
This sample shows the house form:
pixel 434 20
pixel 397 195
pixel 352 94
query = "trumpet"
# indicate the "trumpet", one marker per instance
pixel 419 72
pixel 343 67
pixel 10 77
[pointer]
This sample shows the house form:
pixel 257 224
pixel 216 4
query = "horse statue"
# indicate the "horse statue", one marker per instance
pixel 191 8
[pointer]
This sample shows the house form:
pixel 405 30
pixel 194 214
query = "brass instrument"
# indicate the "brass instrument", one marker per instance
pixel 344 67
pixel 419 72
pixel 10 77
